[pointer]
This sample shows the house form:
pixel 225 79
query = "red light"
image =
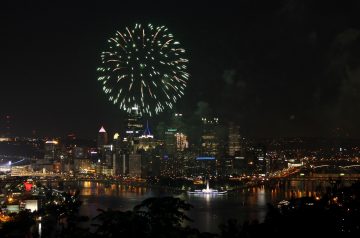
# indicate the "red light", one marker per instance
pixel 28 186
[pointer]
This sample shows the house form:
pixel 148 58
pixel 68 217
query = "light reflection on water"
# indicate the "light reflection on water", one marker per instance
pixel 209 210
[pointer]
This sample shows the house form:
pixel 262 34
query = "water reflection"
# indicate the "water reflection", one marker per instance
pixel 209 210
pixel 99 189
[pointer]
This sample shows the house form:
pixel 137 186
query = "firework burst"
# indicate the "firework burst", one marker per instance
pixel 143 67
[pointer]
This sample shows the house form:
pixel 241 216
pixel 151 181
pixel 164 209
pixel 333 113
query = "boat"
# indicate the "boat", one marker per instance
pixel 207 191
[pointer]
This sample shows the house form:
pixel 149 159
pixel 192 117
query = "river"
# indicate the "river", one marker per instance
pixel 208 212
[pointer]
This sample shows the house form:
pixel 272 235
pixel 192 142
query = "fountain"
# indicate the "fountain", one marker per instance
pixel 207 190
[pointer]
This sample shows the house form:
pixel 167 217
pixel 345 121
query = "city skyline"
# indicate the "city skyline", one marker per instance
pixel 276 69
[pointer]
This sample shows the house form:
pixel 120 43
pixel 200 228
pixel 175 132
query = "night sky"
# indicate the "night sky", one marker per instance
pixel 277 68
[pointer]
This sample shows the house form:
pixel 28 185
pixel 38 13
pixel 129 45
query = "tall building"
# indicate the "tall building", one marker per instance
pixel 170 141
pixel 234 145
pixel 181 141
pixel 134 127
pixel 175 139
pixel 102 138
pixel 260 159
pixel 107 156
pixel 146 140
pixel 119 157
pixel 177 122
pixel 51 152
pixel 147 148
pixel 208 157
pixel 181 138
pixel 76 153
pixel 135 165
pixel 129 144
pixel 209 138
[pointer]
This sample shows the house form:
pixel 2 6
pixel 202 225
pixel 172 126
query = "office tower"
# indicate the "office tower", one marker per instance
pixel 209 138
pixel 170 141
pixel 102 138
pixel 234 145
pixel 135 165
pixel 181 141
pixel 118 163
pixel 134 127
pixel 260 159
pixel 146 140
pixel 51 151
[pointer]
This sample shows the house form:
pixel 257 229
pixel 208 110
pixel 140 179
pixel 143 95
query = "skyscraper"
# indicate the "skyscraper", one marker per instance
pixel 119 158
pixel 175 139
pixel 234 145
pixel 170 141
pixel 260 159
pixel 135 165
pixel 209 152
pixel 134 127
pixel 146 140
pixel 209 138
pixel 102 138
pixel 51 152
pixel 181 141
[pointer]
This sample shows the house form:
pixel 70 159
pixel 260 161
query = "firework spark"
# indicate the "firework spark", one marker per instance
pixel 144 67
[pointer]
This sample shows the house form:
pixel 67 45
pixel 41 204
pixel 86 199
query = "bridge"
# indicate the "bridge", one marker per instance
pixel 321 177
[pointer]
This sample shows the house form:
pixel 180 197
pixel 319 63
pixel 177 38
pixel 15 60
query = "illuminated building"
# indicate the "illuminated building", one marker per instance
pixel 254 162
pixel 260 160
pixel 150 163
pixel 116 136
pixel 234 145
pixel 50 151
pixel 20 170
pixel 172 162
pixel 102 138
pixel 130 142
pixel 51 154
pixel 48 163
pixel 119 157
pixel 209 146
pixel 107 155
pixel 175 139
pixel 170 141
pixel 77 151
pixel 57 167
pixel 134 127
pixel 181 141
pixel 79 157
pixel 146 140
pixel 135 165
pixel 177 122
pixel 209 138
